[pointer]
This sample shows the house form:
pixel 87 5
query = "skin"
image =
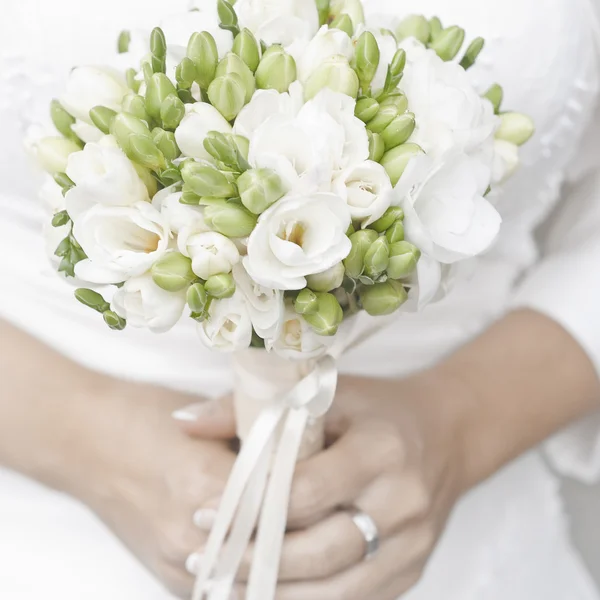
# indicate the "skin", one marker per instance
pixel 402 451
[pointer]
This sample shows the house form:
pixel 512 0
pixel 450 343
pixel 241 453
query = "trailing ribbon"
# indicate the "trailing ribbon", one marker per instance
pixel 238 513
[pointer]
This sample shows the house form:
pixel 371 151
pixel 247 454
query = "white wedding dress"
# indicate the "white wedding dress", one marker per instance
pixel 508 539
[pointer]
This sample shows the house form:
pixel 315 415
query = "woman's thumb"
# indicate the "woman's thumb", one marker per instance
pixel 210 419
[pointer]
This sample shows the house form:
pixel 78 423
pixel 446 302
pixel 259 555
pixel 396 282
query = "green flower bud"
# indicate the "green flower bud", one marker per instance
pixel 185 73
pixel 436 27
pixel 323 10
pixel 158 43
pixel 206 180
pixel 227 16
pixel 326 320
pixel 403 260
pixel 114 321
pixel 384 117
pixel 232 63
pixel 328 280
pixel 64 181
pixel 143 151
pixel 92 300
pixel 306 303
pixel 343 23
pixel 396 232
pixel 396 160
pixel 229 219
pixel 197 298
pixel 398 131
pixel 495 95
pixel 515 128
pixel 172 112
pixel 220 286
pixel 135 105
pixel 448 43
pixel 367 59
pixel 376 146
pixel 166 143
pixel 147 178
pixel 473 51
pixel 383 298
pixel 202 51
pixel 397 99
pixel 53 153
pixel 247 48
pixel 62 119
pixel 123 42
pixel 173 272
pixel 259 189
pixel 392 214
pixel 366 109
pixel 377 258
pixel 221 148
pixel 131 78
pixel 352 8
pixel 398 63
pixel 159 88
pixel 228 95
pixel 102 117
pixel 276 71
pixel 242 144
pixel 188 197
pixel 355 261
pixel 336 74
pixel 415 26
pixel 60 219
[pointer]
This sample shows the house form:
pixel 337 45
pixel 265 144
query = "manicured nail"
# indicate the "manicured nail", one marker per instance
pixel 193 412
pixel 205 518
pixel 192 564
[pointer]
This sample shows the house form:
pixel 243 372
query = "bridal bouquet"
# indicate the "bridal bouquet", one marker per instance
pixel 269 170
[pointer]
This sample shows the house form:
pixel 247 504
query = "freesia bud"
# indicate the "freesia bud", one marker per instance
pixel 259 189
pixel 336 74
pixel 232 63
pixel 395 233
pixel 220 286
pixel 159 88
pixel 143 151
pixel 221 148
pixel 367 59
pixel 102 117
pixel 158 43
pixel 114 321
pixel 62 119
pixel 247 48
pixel 343 23
pixel 326 320
pixel 306 303
pixel 397 99
pixel 92 300
pixel 448 43
pixel 172 112
pixel 197 298
pixel 398 131
pixel 515 128
pixel 165 142
pixel 415 26
pixel 228 95
pixel 328 280
pixel 242 144
pixel 173 272
pixel 206 180
pixel 276 71
pixel 392 214
pixel 396 160
pixel 52 153
pixel 376 146
pixel 135 105
pixel 229 219
pixel 185 73
pixel 377 258
pixel 385 116
pixel 124 126
pixel 398 63
pixel 383 298
pixel 473 51
pixel 355 261
pixel 227 16
pixel 352 8
pixel 202 51
pixel 495 95
pixel 403 260
pixel 436 27
pixel 366 109
pixel 123 42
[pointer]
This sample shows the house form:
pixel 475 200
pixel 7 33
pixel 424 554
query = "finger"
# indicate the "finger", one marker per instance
pixel 211 419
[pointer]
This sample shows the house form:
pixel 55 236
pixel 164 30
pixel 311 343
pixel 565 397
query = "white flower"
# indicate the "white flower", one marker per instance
pixel 326 44
pixel 86 132
pixel 367 189
pixel 88 87
pixel 180 218
pixel 200 118
pixel 296 339
pixel 145 305
pixel 506 160
pixel 211 253
pixel 265 305
pixel 52 196
pixel 51 153
pixel 291 23
pixel 102 175
pixel 446 215
pixel 228 327
pixel 296 237
pixel 449 112
pixel 120 242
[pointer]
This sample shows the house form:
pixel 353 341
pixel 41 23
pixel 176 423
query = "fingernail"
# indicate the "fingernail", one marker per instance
pixel 205 518
pixel 193 412
pixel 192 564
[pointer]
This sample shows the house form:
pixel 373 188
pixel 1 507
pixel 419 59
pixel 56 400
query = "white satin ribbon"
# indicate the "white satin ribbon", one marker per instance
pixel 310 398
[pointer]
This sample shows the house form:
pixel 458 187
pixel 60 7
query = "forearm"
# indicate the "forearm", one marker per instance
pixel 521 381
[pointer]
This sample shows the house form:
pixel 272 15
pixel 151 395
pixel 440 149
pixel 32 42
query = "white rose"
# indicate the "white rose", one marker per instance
pixel 211 253
pixel 296 339
pixel 88 87
pixel 367 190
pixel 200 118
pixel 145 305
pixel 228 327
pixel 449 112
pixel 296 237
pixel 326 44
pixel 102 175
pixel 265 305
pixel 120 242
pixel 180 218
pixel 446 214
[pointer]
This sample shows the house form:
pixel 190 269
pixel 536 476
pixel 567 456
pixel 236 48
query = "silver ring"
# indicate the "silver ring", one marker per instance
pixel 368 528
